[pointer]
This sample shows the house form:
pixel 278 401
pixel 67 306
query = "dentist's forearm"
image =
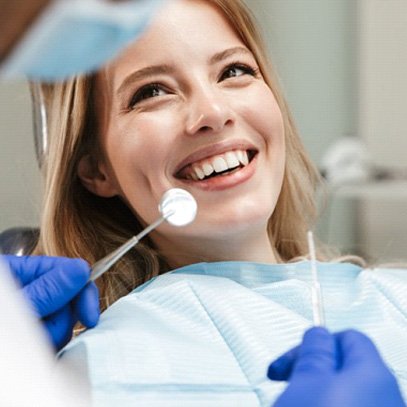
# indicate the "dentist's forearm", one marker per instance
pixel 15 18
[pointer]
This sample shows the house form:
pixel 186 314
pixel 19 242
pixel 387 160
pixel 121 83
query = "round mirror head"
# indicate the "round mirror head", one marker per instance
pixel 178 207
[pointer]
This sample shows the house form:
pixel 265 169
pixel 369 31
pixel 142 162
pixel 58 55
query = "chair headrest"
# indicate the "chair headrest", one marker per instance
pixel 19 241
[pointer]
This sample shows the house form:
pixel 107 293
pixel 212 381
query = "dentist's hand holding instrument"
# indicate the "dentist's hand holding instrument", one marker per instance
pixel 335 370
pixel 58 289
pixel 58 292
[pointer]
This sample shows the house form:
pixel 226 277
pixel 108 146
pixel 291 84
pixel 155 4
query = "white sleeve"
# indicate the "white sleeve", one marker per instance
pixel 29 375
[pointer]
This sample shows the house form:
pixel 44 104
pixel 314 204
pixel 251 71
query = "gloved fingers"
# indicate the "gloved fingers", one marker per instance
pixel 54 289
pixel 24 268
pixel 358 350
pixel 29 268
pixel 86 305
pixel 281 368
pixel 362 359
pixel 318 350
pixel 59 326
pixel 317 354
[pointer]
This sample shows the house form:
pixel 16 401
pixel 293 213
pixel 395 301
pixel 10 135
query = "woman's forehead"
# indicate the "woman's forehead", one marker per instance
pixel 187 29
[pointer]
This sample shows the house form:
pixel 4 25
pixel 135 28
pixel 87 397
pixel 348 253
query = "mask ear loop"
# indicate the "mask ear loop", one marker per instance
pixel 40 125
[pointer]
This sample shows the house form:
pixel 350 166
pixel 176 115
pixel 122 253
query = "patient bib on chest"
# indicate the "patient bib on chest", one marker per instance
pixel 205 334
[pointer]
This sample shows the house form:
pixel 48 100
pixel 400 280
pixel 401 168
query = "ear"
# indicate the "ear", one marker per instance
pixel 96 178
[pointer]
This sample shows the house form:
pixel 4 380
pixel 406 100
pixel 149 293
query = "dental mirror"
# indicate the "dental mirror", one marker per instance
pixel 177 206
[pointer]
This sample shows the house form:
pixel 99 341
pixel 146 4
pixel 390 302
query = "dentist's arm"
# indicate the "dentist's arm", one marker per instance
pixel 57 289
pixel 335 370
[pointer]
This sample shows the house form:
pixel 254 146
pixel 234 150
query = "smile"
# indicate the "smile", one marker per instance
pixel 219 165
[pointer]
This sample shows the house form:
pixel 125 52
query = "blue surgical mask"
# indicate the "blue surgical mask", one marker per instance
pixel 77 36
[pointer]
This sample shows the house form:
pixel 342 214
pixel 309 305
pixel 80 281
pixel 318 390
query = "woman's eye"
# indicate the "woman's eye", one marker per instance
pixel 146 92
pixel 236 70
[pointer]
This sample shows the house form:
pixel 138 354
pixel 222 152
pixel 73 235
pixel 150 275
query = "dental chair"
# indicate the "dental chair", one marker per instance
pixel 22 240
pixel 19 241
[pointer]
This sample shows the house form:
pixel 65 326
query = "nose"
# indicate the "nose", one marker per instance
pixel 208 112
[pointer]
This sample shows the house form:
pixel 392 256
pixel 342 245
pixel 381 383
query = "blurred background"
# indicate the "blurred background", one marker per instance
pixel 342 67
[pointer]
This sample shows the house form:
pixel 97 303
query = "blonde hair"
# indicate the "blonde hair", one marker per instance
pixel 76 223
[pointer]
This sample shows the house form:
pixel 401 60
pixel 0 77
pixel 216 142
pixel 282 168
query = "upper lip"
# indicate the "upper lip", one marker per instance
pixel 214 149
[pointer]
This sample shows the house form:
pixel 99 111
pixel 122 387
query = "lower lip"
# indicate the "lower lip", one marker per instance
pixel 222 182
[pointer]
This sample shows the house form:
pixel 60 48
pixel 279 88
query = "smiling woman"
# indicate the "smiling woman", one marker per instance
pixel 187 107
pixel 176 111
pixel 194 104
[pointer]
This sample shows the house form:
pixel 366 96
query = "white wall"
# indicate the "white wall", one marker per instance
pixel 313 46
pixel 19 174
pixel 383 120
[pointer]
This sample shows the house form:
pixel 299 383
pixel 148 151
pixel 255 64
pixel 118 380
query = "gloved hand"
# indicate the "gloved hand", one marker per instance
pixel 335 370
pixel 58 291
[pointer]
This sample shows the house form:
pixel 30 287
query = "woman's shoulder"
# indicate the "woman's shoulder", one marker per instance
pixel 387 274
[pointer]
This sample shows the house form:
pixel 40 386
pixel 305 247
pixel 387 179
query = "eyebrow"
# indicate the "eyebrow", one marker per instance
pixel 143 73
pixel 154 70
pixel 220 56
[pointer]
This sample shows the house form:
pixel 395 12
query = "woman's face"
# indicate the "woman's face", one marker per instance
pixel 186 106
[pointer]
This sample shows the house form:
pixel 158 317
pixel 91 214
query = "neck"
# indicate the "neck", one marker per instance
pixel 182 252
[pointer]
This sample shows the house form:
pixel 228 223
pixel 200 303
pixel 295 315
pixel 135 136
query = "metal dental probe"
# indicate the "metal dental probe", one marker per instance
pixel 316 293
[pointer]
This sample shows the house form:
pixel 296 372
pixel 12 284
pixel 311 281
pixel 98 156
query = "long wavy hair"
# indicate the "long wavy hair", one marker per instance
pixel 77 223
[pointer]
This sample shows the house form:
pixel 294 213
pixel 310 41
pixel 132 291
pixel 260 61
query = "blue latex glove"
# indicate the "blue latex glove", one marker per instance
pixel 335 370
pixel 58 291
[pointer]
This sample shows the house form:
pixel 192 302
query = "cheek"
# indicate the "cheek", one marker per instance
pixel 141 142
pixel 270 116
pixel 262 113
pixel 138 150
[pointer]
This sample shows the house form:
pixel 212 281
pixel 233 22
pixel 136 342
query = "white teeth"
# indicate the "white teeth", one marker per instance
pixel 198 172
pixel 231 159
pixel 207 169
pixel 242 156
pixel 219 164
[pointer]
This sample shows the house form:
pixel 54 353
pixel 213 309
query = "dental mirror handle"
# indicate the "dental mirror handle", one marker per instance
pixel 177 206
pixel 102 265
